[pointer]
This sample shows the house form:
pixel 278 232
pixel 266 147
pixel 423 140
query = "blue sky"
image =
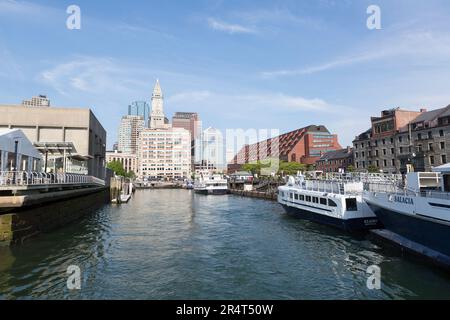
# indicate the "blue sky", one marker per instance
pixel 240 64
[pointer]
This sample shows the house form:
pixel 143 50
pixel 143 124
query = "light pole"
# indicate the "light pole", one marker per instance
pixel 16 145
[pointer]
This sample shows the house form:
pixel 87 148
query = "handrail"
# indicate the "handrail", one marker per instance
pixel 26 178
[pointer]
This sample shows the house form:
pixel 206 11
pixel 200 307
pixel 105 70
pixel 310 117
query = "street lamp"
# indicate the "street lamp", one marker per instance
pixel 16 146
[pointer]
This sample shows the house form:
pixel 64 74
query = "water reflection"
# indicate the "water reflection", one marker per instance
pixel 174 244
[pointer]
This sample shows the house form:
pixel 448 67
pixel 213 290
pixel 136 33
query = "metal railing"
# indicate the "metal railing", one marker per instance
pixel 400 190
pixel 25 178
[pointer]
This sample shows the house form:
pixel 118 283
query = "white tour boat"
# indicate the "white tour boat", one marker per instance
pixel 215 184
pixel 335 201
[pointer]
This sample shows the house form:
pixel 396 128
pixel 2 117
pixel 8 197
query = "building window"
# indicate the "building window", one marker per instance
pixel 431 160
pixel 401 149
pixel 444 159
pixel 384 152
pixel 392 151
pixel 430 147
pixel 430 135
pixel 393 162
pixel 419 136
pixel 392 140
pixel 384 141
pixel 441 133
pixel 356 155
pixel 400 139
pixel 442 145
pixel 385 163
pixel 293 157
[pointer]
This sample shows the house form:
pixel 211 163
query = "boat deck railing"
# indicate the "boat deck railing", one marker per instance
pixel 26 178
pixel 398 189
pixel 336 187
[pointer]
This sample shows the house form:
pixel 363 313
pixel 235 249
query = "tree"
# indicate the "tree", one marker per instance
pixel 350 169
pixel 372 169
pixel 131 174
pixel 117 168
pixel 291 168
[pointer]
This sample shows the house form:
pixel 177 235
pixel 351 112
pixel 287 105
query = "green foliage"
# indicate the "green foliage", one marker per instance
pixel 350 169
pixel 372 169
pixel 291 168
pixel 118 169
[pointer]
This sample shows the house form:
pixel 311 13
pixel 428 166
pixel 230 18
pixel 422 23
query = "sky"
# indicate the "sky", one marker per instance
pixel 240 64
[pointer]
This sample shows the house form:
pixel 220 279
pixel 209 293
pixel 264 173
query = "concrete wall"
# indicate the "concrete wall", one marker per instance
pixel 23 224
pixel 47 124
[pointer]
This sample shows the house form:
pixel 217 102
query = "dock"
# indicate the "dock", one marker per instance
pixel 32 203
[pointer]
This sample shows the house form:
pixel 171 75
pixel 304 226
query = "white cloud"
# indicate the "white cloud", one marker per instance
pixel 13 8
pixel 229 28
pixel 264 102
pixel 93 75
pixel 419 45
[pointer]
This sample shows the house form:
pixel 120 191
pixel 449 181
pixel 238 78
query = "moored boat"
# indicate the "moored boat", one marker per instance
pixel 415 214
pixel 213 185
pixel 336 202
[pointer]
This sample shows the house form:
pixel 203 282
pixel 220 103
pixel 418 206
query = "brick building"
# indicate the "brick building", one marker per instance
pixel 305 145
pixel 336 161
pixel 400 138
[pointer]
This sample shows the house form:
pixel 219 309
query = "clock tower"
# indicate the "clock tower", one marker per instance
pixel 157 114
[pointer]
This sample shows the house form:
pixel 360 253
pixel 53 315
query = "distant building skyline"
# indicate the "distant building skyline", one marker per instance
pixel 129 130
pixel 140 108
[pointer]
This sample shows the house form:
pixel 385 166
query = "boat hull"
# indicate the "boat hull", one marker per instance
pixel 349 225
pixel 212 192
pixel 430 233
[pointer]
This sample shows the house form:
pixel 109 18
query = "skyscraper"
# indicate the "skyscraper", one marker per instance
pixel 140 108
pixel 189 121
pixel 129 130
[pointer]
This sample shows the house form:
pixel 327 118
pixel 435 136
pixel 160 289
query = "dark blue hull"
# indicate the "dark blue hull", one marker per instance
pixel 430 233
pixel 349 225
pixel 212 192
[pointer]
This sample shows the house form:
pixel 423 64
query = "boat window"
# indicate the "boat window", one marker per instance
pixel 292 196
pixel 296 196
pixel 302 197
pixel 308 198
pixel 282 194
pixel 331 203
pixel 351 204
pixel 315 200
pixel 323 201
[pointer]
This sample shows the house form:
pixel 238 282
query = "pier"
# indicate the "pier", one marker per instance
pixel 32 202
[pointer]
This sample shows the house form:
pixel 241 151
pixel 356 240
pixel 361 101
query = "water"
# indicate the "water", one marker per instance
pixel 173 244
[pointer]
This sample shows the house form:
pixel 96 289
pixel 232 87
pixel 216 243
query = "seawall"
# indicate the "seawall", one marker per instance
pixel 31 215
pixel 255 194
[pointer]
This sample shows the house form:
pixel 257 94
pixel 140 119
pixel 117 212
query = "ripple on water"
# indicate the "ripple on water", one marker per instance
pixel 173 244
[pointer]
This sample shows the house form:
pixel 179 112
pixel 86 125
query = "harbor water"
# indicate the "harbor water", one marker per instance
pixel 174 244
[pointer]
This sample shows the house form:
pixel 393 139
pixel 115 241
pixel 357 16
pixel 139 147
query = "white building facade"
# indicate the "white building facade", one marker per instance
pixel 27 158
pixel 210 155
pixel 165 154
pixel 129 161
pixel 129 130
